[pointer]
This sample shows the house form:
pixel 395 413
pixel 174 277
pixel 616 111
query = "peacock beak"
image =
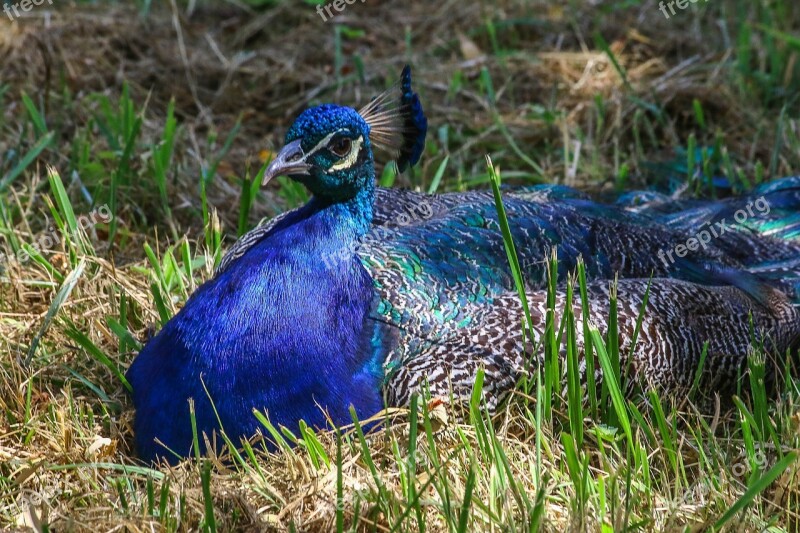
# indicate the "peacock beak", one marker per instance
pixel 289 162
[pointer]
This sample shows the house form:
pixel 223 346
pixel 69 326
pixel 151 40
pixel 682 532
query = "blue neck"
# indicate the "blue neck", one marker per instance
pixel 353 215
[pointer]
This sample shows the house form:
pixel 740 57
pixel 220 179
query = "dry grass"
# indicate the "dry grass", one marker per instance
pixel 492 76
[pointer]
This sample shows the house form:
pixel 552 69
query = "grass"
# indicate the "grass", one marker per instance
pixel 172 139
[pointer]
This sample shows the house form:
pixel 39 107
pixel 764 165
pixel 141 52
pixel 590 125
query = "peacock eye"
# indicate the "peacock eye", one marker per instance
pixel 340 147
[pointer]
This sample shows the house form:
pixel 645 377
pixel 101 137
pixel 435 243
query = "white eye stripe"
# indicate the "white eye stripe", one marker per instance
pixel 350 159
pixel 322 144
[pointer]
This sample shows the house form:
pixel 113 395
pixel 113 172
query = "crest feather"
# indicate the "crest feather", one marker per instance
pixel 397 122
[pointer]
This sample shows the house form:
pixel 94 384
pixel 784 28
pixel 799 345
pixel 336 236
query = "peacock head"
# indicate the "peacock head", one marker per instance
pixel 329 147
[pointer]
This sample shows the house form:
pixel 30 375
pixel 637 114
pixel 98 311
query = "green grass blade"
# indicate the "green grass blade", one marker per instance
pixel 36 117
pixel 437 177
pixel 611 381
pixel 26 160
pixel 61 296
pixel 84 342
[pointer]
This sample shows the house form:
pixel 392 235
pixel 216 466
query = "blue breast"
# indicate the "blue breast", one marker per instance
pixel 278 331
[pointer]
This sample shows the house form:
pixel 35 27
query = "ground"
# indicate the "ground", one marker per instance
pixel 129 137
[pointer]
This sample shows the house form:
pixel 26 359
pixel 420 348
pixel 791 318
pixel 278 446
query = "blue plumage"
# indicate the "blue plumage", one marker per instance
pixel 266 334
pixel 365 294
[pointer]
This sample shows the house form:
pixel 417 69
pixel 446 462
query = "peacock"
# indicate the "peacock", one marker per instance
pixel 365 296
